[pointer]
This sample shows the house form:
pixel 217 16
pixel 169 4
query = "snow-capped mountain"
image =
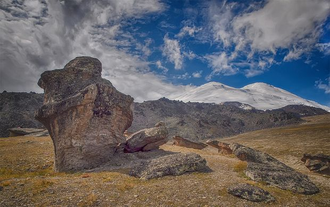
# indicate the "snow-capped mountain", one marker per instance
pixel 259 95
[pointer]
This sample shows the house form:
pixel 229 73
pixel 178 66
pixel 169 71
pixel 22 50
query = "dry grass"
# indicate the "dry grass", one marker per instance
pixel 27 177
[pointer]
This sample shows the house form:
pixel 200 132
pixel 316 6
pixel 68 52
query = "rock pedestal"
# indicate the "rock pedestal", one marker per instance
pixel 85 115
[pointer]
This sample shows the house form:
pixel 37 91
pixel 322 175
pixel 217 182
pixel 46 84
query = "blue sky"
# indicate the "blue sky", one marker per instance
pixel 153 48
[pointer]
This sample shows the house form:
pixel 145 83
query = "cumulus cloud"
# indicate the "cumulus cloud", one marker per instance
pixel 324 86
pixel 220 65
pixel 43 35
pixel 197 74
pixel 262 30
pixel 172 51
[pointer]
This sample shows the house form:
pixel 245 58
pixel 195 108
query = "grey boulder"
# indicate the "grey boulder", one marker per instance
pixel 250 192
pixel 147 139
pixel 175 164
pixel 262 167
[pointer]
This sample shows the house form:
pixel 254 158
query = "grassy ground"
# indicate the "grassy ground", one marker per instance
pixel 27 177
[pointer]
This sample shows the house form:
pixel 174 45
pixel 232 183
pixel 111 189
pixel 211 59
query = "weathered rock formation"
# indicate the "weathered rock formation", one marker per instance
pixel 222 147
pixel 13 132
pixel 179 141
pixel 147 139
pixel 265 168
pixel 319 163
pixel 176 164
pixel 85 115
pixel 250 192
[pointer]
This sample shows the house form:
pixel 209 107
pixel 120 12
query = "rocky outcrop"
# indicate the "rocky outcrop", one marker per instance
pixel 175 164
pixel 262 167
pixel 179 141
pixel 147 139
pixel 85 115
pixel 250 192
pixel 319 163
pixel 17 110
pixel 222 147
pixel 13 132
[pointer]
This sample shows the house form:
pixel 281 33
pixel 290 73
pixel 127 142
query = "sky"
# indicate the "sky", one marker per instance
pixel 160 48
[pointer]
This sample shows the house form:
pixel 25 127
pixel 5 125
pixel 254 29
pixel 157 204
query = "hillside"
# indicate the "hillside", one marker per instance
pixel 201 121
pixel 27 177
pixel 17 110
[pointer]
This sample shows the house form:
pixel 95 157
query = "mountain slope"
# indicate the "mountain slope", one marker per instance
pixel 259 95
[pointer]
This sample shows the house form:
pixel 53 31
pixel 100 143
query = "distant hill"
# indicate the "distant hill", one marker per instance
pixel 17 110
pixel 195 121
pixel 200 121
pixel 258 95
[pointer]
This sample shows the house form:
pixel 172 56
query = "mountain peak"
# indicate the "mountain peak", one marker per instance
pixel 259 95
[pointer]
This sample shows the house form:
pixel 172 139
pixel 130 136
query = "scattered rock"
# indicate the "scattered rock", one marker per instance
pixel 85 115
pixel 179 141
pixel 176 164
pixel 147 139
pixel 13 132
pixel 222 147
pixel 265 168
pixel 85 176
pixel 319 163
pixel 251 193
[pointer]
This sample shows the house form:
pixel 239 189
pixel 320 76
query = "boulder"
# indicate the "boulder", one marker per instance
pixel 85 115
pixel 262 167
pixel 222 147
pixel 179 141
pixel 147 139
pixel 175 164
pixel 319 163
pixel 250 192
pixel 13 132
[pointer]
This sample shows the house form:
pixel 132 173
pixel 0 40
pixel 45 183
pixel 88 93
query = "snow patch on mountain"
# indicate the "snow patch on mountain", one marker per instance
pixel 259 95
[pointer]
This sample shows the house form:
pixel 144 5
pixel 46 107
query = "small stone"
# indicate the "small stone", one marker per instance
pixel 135 196
pixel 85 176
pixel 182 142
pixel 251 193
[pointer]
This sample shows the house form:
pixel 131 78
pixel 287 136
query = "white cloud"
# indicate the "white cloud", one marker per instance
pixel 187 30
pixel 184 76
pixel 160 66
pixel 324 47
pixel 197 74
pixel 261 31
pixel 324 86
pixel 43 36
pixel 172 51
pixel 220 65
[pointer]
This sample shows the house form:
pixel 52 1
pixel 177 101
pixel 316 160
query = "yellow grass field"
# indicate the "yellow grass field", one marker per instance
pixel 27 177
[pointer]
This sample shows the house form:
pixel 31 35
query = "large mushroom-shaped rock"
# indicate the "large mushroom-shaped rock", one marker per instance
pixel 182 142
pixel 147 139
pixel 265 168
pixel 175 164
pixel 250 192
pixel 319 163
pixel 85 115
